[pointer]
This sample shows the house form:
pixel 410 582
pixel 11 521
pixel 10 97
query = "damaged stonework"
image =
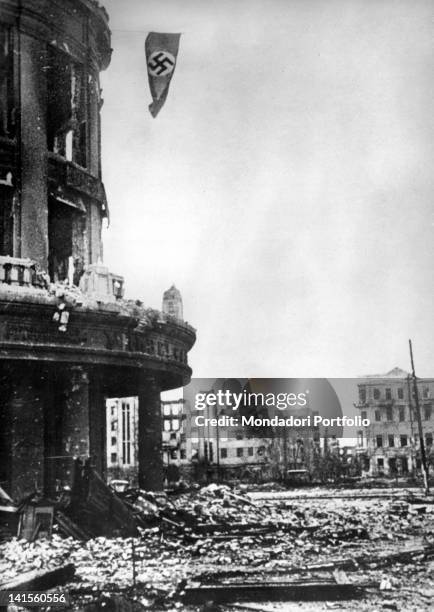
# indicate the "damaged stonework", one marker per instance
pixel 56 373
pixel 68 340
pixel 369 554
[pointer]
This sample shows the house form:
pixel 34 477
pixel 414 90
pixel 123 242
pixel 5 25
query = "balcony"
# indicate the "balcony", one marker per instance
pixel 99 327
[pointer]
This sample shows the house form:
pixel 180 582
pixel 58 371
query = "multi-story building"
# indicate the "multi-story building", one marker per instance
pixel 391 442
pixel 68 339
pixel 238 451
pixel 174 437
pixel 182 449
pixel 122 437
pixel 208 452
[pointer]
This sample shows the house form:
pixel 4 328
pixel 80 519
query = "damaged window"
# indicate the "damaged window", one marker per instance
pixel 66 107
pixel 60 241
pixel 66 227
pixel 6 221
pixel 7 123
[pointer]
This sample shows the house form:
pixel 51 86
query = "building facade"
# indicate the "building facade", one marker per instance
pixel 122 438
pixel 198 453
pixel 68 339
pixel 392 442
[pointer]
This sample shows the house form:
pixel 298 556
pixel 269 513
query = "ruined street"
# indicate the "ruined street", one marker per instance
pixel 242 549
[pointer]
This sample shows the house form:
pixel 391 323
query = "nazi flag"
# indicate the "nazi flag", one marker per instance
pixel 161 53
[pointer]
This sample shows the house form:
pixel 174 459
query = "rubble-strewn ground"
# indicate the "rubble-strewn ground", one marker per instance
pixel 286 532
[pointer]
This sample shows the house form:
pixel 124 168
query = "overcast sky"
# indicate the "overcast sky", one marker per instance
pixel 287 185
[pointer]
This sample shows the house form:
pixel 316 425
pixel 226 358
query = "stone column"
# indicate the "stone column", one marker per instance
pixel 75 434
pixel 97 423
pixel 26 431
pixel 34 209
pixel 150 438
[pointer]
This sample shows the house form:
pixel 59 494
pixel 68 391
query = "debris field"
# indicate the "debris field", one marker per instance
pixel 241 551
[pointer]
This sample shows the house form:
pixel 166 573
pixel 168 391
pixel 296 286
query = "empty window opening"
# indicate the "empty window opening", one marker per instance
pixel 6 221
pixel 7 115
pixel 65 247
pixel 66 107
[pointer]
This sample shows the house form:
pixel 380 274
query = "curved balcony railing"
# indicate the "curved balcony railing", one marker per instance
pixel 93 324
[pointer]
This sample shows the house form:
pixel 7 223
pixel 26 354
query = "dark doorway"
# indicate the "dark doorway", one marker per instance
pixel 6 221
pixel 60 217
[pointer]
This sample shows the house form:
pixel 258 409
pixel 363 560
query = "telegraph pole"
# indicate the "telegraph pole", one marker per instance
pixel 413 444
pixel 419 422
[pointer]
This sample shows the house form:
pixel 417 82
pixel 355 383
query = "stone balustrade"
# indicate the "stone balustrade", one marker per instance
pixel 20 272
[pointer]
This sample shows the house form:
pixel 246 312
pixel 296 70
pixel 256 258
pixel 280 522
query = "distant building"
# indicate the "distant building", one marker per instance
pixel 174 433
pixel 195 452
pixel 391 442
pixel 122 437
pixel 249 451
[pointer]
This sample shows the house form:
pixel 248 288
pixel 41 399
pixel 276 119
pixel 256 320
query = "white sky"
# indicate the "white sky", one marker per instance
pixel 286 186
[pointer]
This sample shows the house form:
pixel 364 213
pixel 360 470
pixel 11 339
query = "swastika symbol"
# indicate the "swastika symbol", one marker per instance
pixel 161 63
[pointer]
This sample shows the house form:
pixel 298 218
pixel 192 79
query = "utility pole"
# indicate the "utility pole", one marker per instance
pixel 419 422
pixel 285 453
pixel 217 440
pixel 413 443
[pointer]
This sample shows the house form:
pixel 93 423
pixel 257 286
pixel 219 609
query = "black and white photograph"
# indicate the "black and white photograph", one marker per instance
pixel 216 305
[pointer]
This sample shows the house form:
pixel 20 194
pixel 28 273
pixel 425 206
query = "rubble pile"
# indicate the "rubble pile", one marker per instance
pixel 216 509
pixel 215 528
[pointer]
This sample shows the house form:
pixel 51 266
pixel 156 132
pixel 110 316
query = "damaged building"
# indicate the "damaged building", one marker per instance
pixel 68 339
pixel 391 443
